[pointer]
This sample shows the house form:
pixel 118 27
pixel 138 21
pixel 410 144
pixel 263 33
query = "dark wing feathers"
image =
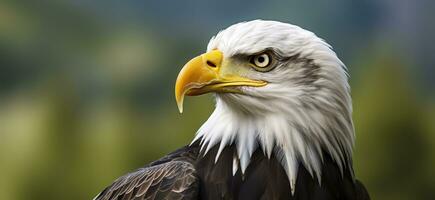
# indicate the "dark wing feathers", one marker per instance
pixel 170 180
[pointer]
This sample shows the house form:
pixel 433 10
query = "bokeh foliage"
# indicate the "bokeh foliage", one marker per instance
pixel 86 89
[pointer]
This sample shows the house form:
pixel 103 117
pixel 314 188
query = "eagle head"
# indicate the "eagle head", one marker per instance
pixel 278 87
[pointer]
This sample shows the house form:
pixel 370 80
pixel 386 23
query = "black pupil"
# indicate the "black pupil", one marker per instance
pixel 260 59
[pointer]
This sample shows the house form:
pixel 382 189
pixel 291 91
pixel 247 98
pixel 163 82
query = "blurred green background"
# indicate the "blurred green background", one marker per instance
pixel 86 87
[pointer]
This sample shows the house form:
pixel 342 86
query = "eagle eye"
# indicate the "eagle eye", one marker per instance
pixel 261 62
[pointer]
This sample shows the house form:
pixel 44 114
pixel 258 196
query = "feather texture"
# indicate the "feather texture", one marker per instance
pixel 187 174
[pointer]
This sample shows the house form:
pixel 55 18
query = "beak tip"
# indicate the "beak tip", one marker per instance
pixel 180 104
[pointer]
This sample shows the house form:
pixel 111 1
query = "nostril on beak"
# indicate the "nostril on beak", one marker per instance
pixel 211 64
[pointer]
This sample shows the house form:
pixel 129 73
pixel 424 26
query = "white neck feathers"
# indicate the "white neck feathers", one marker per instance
pixel 295 135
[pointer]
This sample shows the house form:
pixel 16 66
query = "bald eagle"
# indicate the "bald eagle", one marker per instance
pixel 281 128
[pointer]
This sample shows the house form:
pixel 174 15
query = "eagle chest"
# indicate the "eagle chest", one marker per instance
pixel 263 179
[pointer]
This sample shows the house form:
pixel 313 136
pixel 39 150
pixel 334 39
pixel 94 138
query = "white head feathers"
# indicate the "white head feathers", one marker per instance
pixel 303 111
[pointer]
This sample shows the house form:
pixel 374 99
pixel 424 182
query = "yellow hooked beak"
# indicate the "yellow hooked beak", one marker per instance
pixel 203 74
